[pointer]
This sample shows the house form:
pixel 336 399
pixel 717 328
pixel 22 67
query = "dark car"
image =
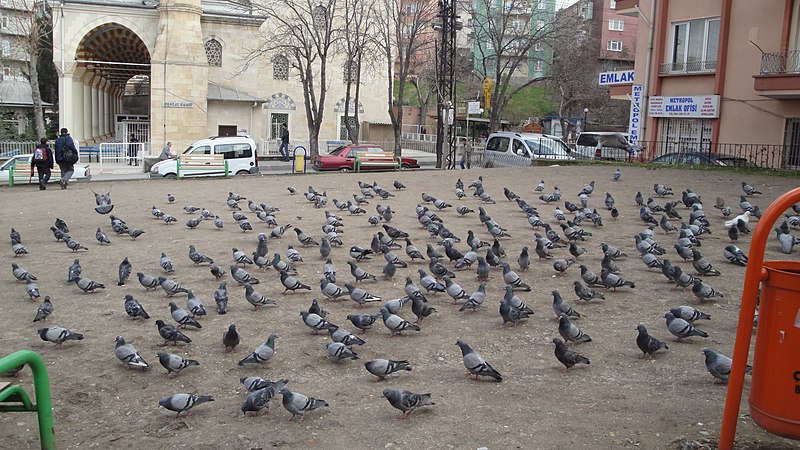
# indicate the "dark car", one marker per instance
pixel 343 158
pixel 707 159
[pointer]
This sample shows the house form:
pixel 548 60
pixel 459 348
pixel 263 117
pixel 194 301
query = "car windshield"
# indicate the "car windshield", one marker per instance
pixel 547 147
pixel 337 151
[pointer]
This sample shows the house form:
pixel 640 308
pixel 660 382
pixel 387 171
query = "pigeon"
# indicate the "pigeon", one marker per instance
pixel 298 404
pixel 32 289
pixel 124 271
pixel 221 298
pixel 58 234
pixel 21 274
pixel 359 253
pixel 291 283
pixel 87 285
pixel 438 269
pixel 181 403
pixel 360 274
pixel 689 314
pixel 344 336
pixel 171 287
pixel 703 291
pixel 476 299
pixel 567 356
pixel 561 307
pixel 128 355
pixel 680 328
pixel 170 333
pixel 570 332
pixel 330 290
pixel 44 310
pixel 230 339
pixel 648 344
pixel 475 364
pixel 396 324
pixel 561 265
pixel 586 293
pixel 314 321
pixel 134 309
pixel 719 365
pixel 749 190
pixel 263 353
pixel 182 317
pixel 240 257
pixel 455 291
pixel 421 309
pixel 613 281
pixel 242 276
pixel 61 225
pixel 339 351
pixel 384 367
pixel 58 335
pixel 146 281
pixel 253 384
pixel 406 401
pixel 398 185
pixel 166 263
pixel 259 397
pixel 511 278
pixel 101 237
pixel 170 198
pixel 363 322
pixel 293 255
pixel 73 245
pixel 174 363
pixel 256 298
pixel 391 257
pixel 198 258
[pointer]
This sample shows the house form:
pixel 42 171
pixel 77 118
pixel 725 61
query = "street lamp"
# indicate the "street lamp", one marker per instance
pixel 585 119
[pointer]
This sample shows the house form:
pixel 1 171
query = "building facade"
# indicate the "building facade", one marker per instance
pixel 720 76
pixel 612 35
pixel 189 56
pixel 15 90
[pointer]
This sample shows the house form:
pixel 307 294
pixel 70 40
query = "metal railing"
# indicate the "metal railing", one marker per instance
pixel 688 67
pixel 764 156
pixel 11 148
pixel 776 63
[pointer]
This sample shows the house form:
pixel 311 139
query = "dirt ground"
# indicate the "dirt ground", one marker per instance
pixel 618 401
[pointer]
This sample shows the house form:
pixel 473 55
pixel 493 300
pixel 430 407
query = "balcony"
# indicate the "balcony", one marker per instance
pixel 688 68
pixel 627 7
pixel 779 77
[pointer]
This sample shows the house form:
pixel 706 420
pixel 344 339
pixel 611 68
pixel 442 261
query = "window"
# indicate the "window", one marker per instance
pixel 538 46
pixel 587 10
pixel 497 144
pixel 280 67
pixel 214 52
pixel 539 24
pixel 275 122
pixel 411 9
pixel 614 46
pixel 6 71
pixel 232 151
pixel 6 48
pixel 320 17
pixel 537 66
pixel 694 46
pixel 3 21
pixel 792 142
pixel 612 4
pixel 540 4
pixel 686 135
pixel 349 72
pixel 202 150
pixel 616 25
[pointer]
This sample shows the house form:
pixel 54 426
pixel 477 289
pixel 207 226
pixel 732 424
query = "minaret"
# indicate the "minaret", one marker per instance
pixel 178 77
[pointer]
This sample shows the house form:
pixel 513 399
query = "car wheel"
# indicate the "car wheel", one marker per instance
pixel 345 169
pixel 170 175
pixel 243 172
pixel 404 167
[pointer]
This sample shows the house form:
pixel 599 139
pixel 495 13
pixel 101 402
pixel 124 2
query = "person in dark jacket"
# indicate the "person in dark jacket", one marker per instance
pixel 284 148
pixel 63 143
pixel 43 161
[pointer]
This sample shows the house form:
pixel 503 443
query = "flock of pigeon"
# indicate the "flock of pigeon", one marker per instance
pixel 427 273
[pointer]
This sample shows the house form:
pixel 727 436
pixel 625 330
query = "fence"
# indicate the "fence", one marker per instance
pixel 11 148
pixel 766 156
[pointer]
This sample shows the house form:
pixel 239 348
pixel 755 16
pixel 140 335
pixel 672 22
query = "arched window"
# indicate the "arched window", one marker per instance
pixel 349 72
pixel 320 17
pixel 214 52
pixel 280 67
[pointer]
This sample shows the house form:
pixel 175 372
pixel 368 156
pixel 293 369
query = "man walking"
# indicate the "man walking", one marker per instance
pixel 284 148
pixel 66 156
pixel 43 161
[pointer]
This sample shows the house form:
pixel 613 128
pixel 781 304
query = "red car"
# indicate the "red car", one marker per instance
pixel 343 158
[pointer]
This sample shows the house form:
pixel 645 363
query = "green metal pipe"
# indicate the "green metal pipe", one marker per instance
pixel 41 385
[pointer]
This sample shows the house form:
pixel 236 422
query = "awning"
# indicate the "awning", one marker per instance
pixel 223 94
pixel 17 94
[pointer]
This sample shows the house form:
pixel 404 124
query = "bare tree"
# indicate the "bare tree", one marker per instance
pixel 506 35
pixel 405 39
pixel 357 43
pixel 29 34
pixel 304 32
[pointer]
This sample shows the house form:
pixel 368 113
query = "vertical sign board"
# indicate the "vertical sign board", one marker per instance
pixel 635 122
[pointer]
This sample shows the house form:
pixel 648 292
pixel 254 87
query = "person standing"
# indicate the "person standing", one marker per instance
pixel 466 155
pixel 166 152
pixel 43 161
pixel 133 150
pixel 66 156
pixel 284 148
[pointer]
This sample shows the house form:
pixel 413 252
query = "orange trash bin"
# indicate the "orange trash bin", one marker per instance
pixel 775 386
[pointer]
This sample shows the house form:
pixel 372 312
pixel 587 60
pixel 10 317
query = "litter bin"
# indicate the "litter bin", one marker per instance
pixel 299 159
pixel 775 386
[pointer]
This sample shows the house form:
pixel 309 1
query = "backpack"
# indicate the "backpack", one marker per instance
pixel 70 156
pixel 40 155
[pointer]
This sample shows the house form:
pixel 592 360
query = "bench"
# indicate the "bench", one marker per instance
pixel 377 159
pixel 209 164
pixel 14 399
pixel 89 152
pixel 20 173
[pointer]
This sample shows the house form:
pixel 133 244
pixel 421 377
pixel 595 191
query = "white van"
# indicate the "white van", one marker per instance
pixel 509 149
pixel 238 151
pixel 612 146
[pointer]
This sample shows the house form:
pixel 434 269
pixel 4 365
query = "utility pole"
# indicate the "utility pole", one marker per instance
pixel 445 72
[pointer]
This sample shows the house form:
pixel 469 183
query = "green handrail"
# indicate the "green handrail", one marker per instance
pixel 41 384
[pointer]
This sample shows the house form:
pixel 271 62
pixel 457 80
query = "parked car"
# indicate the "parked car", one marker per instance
pixel 509 149
pixel 612 146
pixel 699 158
pixel 343 157
pixel 82 172
pixel 239 151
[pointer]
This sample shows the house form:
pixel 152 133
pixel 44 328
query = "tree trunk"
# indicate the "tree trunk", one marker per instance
pixel 36 96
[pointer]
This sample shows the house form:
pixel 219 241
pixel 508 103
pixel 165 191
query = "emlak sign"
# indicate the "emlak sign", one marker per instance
pixel 611 78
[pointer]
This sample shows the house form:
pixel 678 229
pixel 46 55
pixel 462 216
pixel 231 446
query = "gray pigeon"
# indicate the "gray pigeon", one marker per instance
pixel 681 328
pixel 134 309
pixel 58 335
pixel 242 276
pixel 512 279
pixel 174 363
pixel 197 257
pixel 171 287
pixel 562 307
pixel 291 283
pixel 719 365
pixel 344 336
pixel 221 298
pixel 359 295
pixel 689 314
pixel 298 404
pixel 240 257
pixel 475 299
pixel 256 298
pixel 124 271
pixel 396 324
pixel 363 322
pixel 586 293
pixel 87 285
pixel 147 281
pixel 74 271
pixel 567 356
pixel 32 289
pixel 648 344
pixel 262 353
pixel 166 263
pixel 339 351
pixel 253 384
pixel 170 333
pixel 230 339
pixel 128 355
pixel 314 321
pixel 406 401
pixel 182 317
pixel 194 305
pixel 570 332
pixel 704 292
pixel 475 364
pixel 101 237
pixel 21 274
pixel 180 403
pixel 454 290
pixel 44 310
pixel 259 399
pixel 330 290
pixel 383 367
